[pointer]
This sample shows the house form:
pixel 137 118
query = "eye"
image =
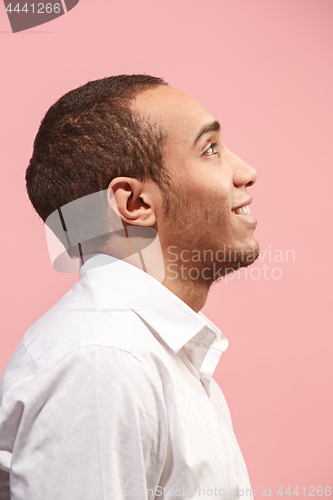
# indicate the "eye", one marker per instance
pixel 211 150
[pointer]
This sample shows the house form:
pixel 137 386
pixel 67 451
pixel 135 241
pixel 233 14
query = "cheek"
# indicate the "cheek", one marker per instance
pixel 213 190
pixel 199 190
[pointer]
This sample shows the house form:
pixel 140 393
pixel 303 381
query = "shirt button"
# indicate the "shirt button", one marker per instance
pixel 202 336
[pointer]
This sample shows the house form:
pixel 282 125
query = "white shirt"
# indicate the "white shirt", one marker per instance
pixel 110 395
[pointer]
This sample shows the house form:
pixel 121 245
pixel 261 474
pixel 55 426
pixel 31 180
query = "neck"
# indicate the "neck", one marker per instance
pixel 194 294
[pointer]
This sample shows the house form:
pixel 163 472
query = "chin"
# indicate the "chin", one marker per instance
pixel 240 256
pixel 248 254
pixel 235 257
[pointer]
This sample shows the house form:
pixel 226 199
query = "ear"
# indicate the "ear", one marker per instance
pixel 133 200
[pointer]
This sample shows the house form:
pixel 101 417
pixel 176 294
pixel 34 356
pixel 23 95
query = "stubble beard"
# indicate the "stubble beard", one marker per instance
pixel 216 260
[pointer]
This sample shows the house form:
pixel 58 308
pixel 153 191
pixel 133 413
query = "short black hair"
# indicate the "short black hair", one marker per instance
pixel 90 136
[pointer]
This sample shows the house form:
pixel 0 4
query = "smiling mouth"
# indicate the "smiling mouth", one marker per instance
pixel 242 211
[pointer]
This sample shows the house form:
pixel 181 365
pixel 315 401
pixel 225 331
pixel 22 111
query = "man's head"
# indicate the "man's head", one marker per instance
pixel 162 156
pixel 90 136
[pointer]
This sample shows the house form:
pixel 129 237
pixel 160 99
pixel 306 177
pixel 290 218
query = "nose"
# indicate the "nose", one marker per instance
pixel 243 174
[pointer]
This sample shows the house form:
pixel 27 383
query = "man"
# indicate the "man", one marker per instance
pixel 110 394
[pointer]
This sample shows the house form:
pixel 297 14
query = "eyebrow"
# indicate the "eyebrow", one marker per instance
pixel 211 127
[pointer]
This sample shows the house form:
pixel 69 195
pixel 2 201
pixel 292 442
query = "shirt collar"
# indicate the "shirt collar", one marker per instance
pixel 118 285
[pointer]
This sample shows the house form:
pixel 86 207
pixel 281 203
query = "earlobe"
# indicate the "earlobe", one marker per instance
pixel 130 200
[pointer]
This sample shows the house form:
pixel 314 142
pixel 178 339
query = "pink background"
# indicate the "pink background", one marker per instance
pixel 264 69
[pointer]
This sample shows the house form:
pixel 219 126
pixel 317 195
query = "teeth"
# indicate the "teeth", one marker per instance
pixel 242 211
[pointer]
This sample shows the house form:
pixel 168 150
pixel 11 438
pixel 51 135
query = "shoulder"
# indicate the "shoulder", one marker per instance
pixel 90 384
pixel 75 322
pixel 70 340
pixel 86 369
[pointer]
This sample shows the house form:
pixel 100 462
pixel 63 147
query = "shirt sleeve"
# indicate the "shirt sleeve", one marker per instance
pixel 94 426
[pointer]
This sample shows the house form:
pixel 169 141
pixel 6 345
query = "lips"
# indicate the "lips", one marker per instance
pixel 243 211
pixel 243 208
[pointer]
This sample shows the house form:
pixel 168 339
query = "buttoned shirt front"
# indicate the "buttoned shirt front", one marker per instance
pixel 110 395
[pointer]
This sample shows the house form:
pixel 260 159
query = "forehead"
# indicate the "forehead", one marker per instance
pixel 179 114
